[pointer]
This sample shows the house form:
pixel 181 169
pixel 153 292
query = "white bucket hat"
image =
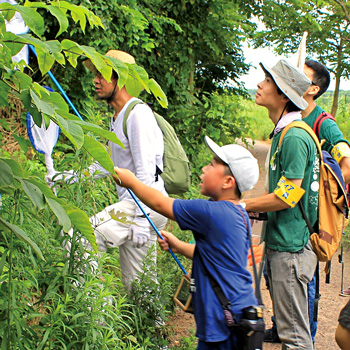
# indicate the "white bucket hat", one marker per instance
pixel 243 165
pixel 291 80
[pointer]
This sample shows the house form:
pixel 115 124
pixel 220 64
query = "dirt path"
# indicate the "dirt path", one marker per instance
pixel 329 306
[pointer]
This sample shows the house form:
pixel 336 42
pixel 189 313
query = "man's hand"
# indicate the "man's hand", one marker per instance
pixel 139 232
pixel 124 177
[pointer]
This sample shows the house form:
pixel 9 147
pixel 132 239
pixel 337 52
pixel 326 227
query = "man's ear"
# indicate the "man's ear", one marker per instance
pixel 313 90
pixel 285 99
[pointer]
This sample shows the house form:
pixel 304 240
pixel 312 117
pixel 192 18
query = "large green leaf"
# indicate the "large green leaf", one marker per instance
pixel 45 60
pixel 61 18
pixel 22 81
pixel 94 20
pixel 133 87
pixel 46 190
pixel 53 99
pixel 55 48
pixel 121 68
pixel 6 174
pixel 59 211
pixel 140 75
pixel 2 24
pixel 13 42
pixel 22 236
pixel 82 223
pixel 72 130
pixel 98 152
pixel 30 17
pixel 158 93
pixel 33 192
pixel 4 92
pixel 72 51
pixel 15 167
pixel 44 106
pixel 98 61
pixel 111 136
pixel 77 13
pixel 136 82
pixel 26 99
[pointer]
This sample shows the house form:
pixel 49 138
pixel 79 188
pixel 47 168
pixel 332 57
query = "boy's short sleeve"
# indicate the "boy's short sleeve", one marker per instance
pixel 344 317
pixel 191 214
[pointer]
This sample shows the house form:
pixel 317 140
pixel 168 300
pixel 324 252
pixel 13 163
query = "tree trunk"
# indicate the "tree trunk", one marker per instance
pixel 335 96
pixel 339 71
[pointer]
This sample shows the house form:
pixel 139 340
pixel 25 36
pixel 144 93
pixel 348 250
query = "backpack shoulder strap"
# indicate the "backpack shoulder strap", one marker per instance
pixel 127 113
pixel 302 125
pixel 319 120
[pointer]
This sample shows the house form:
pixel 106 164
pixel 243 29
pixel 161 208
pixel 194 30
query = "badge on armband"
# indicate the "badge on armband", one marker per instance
pixel 340 150
pixel 288 191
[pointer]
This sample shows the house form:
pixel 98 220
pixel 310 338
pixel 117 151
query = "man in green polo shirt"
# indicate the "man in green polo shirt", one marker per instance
pixel 293 177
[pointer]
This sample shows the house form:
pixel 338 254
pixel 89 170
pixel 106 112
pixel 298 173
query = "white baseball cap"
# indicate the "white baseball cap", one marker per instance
pixel 243 165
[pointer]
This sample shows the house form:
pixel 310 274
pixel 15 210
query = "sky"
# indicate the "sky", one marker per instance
pixel 269 58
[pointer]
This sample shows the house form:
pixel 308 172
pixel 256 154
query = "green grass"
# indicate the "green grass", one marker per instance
pixel 261 125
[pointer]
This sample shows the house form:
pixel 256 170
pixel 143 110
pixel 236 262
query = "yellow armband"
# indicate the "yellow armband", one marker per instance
pixel 340 150
pixel 288 191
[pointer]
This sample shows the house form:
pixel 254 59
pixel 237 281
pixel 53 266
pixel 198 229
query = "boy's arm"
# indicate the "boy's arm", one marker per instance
pixel 268 202
pixel 148 195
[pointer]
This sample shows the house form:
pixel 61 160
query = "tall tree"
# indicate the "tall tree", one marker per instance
pixel 327 23
pixel 193 48
pixel 189 45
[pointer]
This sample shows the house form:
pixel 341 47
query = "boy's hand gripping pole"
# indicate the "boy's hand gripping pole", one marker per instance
pixel 155 229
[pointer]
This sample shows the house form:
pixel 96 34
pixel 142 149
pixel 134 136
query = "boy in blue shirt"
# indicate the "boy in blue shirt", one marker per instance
pixel 219 226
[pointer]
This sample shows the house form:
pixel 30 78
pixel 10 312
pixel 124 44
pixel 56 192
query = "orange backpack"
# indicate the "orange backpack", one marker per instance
pixel 333 207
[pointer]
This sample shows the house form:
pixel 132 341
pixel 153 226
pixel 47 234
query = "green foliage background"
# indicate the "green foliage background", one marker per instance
pixel 193 48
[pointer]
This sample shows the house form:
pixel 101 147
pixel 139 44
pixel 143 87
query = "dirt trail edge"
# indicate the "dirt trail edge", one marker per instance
pixel 330 303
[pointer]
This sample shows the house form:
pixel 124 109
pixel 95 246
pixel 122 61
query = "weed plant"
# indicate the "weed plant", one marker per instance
pixel 61 302
pixel 187 343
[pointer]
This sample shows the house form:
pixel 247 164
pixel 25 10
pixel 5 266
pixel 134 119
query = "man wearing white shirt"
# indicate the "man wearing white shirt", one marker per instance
pixel 143 154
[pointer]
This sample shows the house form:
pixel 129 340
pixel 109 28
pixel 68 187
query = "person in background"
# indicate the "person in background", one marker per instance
pixel 142 154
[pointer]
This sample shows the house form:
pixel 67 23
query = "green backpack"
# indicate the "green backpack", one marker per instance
pixel 177 171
